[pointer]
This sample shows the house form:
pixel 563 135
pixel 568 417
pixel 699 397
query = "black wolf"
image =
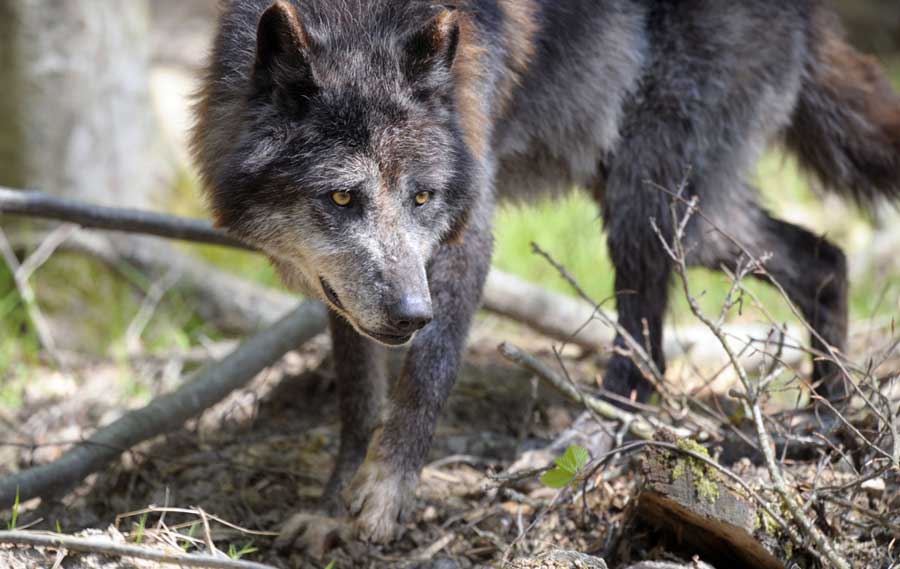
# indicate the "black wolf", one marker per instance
pixel 361 144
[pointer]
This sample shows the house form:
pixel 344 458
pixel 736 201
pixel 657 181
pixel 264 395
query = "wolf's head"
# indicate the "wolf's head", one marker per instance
pixel 348 167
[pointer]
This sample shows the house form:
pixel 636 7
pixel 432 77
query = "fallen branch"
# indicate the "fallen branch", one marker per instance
pixel 166 413
pixel 101 547
pixel 46 206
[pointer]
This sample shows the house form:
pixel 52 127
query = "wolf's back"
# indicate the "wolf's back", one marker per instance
pixel 846 126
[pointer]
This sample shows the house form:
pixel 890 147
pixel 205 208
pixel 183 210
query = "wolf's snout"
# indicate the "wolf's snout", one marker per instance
pixel 410 314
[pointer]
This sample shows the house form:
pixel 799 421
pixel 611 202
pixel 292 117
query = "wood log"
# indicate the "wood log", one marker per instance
pixel 689 501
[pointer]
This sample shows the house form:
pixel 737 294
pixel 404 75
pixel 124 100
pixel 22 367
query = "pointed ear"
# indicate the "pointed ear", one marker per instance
pixel 282 48
pixel 434 46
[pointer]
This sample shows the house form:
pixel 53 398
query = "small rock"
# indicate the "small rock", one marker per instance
pixel 430 514
pixel 874 487
pixel 440 563
pixel 663 565
pixel 560 560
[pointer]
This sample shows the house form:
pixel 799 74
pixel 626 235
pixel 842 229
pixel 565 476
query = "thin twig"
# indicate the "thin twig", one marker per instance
pixel 41 328
pixel 639 426
pixel 638 354
pixel 823 549
pixel 100 547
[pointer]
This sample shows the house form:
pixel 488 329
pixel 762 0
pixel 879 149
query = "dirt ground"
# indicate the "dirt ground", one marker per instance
pixel 264 454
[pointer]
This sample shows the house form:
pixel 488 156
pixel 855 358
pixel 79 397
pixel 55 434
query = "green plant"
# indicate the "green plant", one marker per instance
pixel 567 467
pixel 11 525
pixel 141 527
pixel 237 554
pixel 188 543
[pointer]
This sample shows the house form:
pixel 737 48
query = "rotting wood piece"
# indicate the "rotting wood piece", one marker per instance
pixel 687 499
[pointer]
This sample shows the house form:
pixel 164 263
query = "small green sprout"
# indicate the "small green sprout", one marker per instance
pixel 190 534
pixel 567 467
pixel 141 527
pixel 236 554
pixel 14 520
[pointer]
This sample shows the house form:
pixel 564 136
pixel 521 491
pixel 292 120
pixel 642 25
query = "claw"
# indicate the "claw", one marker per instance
pixel 378 497
pixel 315 533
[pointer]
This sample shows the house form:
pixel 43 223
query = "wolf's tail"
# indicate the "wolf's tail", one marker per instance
pixel 846 126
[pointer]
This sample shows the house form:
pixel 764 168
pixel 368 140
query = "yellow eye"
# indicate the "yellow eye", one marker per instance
pixel 422 198
pixel 342 199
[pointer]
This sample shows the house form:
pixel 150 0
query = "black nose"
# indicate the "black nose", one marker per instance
pixel 410 314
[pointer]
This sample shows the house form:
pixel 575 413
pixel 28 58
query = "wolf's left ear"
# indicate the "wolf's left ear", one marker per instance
pixel 282 49
pixel 434 46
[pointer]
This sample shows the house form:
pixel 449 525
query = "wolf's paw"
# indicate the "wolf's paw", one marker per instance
pixel 379 497
pixel 314 533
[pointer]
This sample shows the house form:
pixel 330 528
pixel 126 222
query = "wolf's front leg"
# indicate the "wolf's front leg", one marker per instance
pixel 383 489
pixel 360 367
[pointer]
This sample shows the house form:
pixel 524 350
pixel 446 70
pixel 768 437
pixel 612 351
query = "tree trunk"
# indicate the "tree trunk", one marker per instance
pixel 75 111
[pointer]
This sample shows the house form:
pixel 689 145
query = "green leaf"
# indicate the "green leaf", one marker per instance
pixel 556 478
pixel 574 459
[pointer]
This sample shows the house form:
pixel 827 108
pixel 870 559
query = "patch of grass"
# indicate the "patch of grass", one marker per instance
pixel 141 528
pixel 98 304
pixel 238 554
pixel 91 307
pixel 571 230
pixel 14 517
pixel 188 202
pixel 19 346
pixel 189 542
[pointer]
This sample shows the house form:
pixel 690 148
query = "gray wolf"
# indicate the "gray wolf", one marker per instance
pixel 362 144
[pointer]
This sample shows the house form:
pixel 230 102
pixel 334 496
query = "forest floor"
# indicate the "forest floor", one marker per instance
pixel 264 454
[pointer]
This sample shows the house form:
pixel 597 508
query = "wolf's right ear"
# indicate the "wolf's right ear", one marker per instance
pixel 282 50
pixel 435 45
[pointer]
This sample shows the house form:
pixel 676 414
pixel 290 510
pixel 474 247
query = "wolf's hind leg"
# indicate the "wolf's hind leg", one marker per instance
pixel 360 366
pixel 811 270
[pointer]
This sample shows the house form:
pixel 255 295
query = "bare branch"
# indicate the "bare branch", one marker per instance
pixel 823 549
pixel 168 412
pixel 102 547
pixel 45 206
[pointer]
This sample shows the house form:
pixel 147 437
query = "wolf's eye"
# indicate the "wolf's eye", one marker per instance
pixel 422 198
pixel 342 199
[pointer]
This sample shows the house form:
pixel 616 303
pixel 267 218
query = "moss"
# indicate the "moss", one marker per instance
pixel 766 523
pixel 704 477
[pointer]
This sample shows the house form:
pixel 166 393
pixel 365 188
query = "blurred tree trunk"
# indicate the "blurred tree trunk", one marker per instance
pixel 75 110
